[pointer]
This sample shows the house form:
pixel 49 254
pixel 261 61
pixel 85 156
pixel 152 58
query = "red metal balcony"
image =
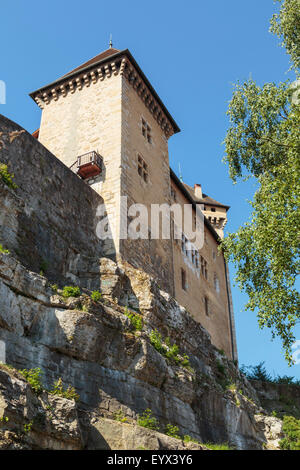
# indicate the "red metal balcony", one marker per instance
pixel 88 165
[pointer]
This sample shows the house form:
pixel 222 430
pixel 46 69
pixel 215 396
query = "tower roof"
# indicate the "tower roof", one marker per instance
pixel 103 59
pixel 94 60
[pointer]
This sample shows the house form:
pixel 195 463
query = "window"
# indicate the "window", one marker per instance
pixel 216 283
pixel 173 194
pixel 143 169
pixel 204 267
pixel 197 259
pixel 214 255
pixel 183 279
pixel 146 131
pixel 206 307
pixel 184 245
pixel 213 209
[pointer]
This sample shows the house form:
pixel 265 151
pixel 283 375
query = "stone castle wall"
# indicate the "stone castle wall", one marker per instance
pixel 217 319
pixel 49 221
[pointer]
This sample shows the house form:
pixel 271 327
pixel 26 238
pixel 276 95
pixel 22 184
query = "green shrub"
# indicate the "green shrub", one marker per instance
pixel 27 427
pixel 4 419
pixel 34 378
pixel 71 291
pixel 186 361
pixel 120 416
pixel 69 393
pixel 147 420
pixel 84 308
pixel 172 431
pixel 135 320
pixel 3 251
pixel 188 438
pixel 170 351
pixel 291 431
pixel 156 341
pixel 54 287
pixel 7 177
pixel 96 296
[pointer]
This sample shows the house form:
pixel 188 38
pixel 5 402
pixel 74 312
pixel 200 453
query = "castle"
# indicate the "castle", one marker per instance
pixel 106 122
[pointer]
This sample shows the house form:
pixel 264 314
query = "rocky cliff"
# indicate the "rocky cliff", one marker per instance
pixel 117 365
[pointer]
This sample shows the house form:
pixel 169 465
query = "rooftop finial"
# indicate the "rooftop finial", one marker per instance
pixel 180 174
pixel 110 42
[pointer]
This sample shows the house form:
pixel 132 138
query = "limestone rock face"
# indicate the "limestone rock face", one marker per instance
pixel 94 347
pixel 28 421
pixel 272 429
pixel 122 436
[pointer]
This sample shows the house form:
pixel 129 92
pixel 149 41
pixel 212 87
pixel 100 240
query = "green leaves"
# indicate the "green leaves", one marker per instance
pixel 263 142
pixel 286 25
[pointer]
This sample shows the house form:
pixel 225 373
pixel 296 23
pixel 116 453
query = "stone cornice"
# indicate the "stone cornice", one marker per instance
pixel 121 63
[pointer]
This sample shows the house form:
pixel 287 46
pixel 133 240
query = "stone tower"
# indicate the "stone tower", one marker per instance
pixel 108 106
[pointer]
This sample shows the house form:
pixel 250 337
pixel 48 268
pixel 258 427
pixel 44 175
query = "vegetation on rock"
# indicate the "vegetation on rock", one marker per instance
pixel 135 319
pixel 69 392
pixel 96 296
pixel 34 378
pixel 168 350
pixel 7 177
pixel 291 430
pixel 172 431
pixel 71 291
pixel 3 250
pixel 147 420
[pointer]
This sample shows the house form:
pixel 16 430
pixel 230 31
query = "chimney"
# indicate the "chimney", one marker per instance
pixel 198 191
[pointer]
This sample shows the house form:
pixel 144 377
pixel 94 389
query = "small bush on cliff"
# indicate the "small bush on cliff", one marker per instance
pixel 34 378
pixel 147 420
pixel 96 296
pixel 71 291
pixel 291 430
pixel 156 341
pixel 170 351
pixel 172 431
pixel 135 320
pixel 120 416
pixel 188 439
pixel 7 177
pixel 3 250
pixel 69 393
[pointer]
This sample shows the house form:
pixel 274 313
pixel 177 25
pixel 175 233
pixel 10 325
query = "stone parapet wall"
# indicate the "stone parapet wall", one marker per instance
pixel 49 220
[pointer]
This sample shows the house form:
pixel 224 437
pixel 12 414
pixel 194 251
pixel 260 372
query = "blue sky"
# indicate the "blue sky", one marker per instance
pixel 191 52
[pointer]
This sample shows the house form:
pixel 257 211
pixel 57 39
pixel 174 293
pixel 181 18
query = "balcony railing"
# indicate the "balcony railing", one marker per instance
pixel 88 165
